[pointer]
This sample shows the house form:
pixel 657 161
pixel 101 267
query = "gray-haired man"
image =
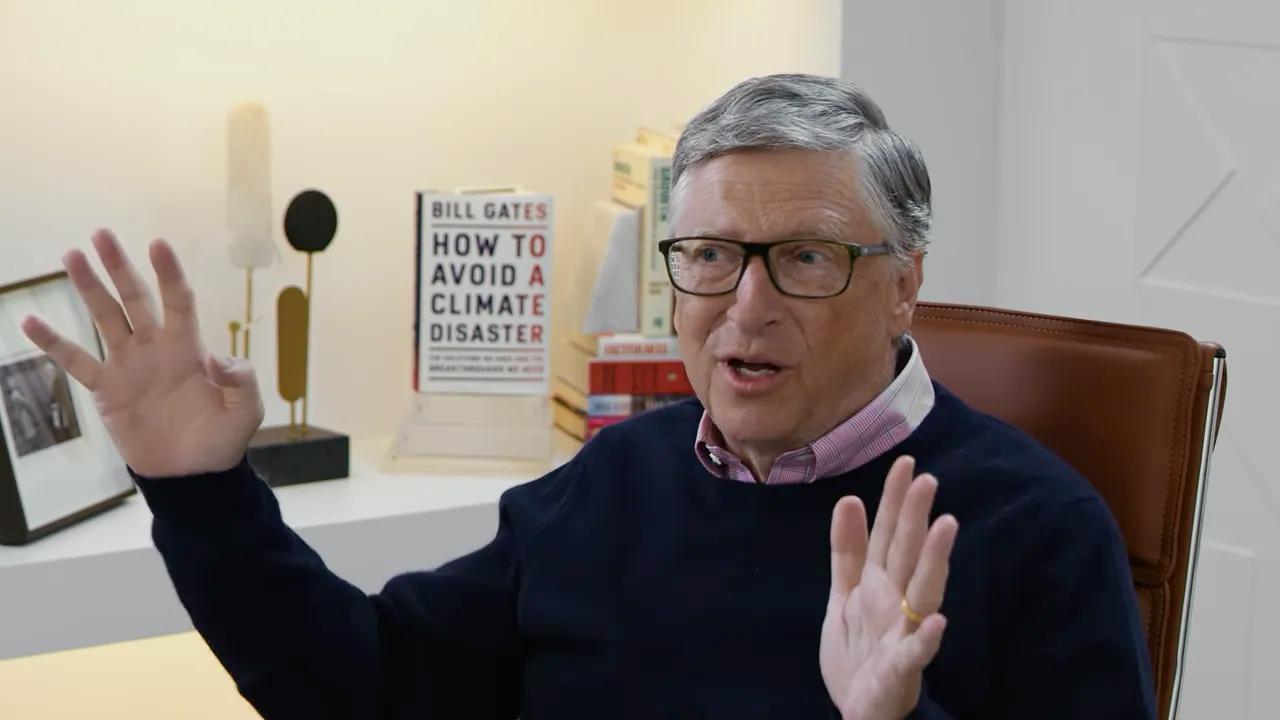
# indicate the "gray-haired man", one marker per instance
pixel 678 566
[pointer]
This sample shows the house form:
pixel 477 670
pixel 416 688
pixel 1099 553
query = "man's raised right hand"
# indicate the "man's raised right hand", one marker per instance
pixel 170 406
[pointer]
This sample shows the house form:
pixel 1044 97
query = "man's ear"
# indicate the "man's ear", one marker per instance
pixel 906 292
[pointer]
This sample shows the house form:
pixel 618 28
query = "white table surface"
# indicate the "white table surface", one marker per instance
pixel 102 580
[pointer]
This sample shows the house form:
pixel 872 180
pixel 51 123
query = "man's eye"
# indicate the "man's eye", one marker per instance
pixel 708 255
pixel 808 257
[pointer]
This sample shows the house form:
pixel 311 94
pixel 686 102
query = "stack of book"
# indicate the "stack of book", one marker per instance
pixel 642 180
pixel 569 390
pixel 628 374
pixel 621 299
pixel 633 374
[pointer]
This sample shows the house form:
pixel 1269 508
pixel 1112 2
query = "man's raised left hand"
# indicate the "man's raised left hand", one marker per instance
pixel 882 626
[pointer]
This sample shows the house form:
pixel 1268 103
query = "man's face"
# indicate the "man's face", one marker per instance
pixel 776 372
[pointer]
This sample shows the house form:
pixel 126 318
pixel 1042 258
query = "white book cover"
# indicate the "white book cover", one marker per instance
pixel 642 179
pixel 612 303
pixel 482 319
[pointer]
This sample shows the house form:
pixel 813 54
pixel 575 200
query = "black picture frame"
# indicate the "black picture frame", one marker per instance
pixel 58 466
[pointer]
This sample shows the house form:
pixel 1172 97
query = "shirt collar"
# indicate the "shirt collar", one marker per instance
pixel 886 421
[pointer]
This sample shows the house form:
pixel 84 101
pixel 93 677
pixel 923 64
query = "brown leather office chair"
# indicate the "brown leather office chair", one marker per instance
pixel 1134 409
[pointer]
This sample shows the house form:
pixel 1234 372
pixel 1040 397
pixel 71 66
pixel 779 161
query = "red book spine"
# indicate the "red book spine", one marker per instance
pixel 672 379
pixel 639 377
pixel 596 424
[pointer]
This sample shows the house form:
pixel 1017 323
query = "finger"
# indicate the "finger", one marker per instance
pixel 848 545
pixel 67 355
pixel 895 489
pixel 918 649
pixel 138 304
pixel 176 295
pixel 913 525
pixel 103 308
pixel 929 583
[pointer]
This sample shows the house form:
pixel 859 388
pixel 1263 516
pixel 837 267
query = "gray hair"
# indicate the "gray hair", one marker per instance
pixel 818 113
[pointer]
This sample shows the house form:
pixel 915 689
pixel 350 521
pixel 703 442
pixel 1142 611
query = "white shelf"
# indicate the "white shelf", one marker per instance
pixel 103 581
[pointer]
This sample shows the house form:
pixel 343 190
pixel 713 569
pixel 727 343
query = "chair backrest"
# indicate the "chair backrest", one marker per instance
pixel 1134 409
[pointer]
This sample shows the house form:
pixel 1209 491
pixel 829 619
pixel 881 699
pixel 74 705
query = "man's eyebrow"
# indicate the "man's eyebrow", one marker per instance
pixel 705 232
pixel 826 230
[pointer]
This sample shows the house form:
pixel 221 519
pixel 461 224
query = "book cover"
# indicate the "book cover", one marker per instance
pixel 483 274
pixel 606 292
pixel 642 179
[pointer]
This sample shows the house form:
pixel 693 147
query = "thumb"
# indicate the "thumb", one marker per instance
pixel 230 373
pixel 918 649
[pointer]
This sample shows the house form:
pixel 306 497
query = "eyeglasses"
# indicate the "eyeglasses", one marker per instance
pixel 799 268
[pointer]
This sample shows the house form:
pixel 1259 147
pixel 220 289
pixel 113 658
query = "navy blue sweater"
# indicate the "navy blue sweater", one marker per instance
pixel 632 583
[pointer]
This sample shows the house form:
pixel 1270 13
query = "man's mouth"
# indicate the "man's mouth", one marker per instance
pixel 748 369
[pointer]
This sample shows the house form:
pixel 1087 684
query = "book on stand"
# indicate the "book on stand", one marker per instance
pixel 481 326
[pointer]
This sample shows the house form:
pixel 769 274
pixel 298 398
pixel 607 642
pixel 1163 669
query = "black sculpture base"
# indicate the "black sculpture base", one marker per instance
pixel 282 456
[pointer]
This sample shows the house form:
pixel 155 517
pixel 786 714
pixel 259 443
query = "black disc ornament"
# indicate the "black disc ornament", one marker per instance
pixel 310 222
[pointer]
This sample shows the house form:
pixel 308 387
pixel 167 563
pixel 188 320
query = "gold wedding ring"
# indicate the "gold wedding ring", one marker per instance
pixel 912 615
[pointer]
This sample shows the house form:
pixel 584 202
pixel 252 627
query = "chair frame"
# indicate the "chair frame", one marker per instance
pixel 1208 441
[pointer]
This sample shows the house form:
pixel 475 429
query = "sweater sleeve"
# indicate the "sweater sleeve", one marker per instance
pixel 301 642
pixel 1074 644
pixel 927 709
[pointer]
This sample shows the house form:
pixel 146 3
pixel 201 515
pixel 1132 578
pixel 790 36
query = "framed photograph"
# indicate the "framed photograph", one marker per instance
pixel 57 463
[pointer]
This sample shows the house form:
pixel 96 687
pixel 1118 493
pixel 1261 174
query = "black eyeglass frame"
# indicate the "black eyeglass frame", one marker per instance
pixel 856 250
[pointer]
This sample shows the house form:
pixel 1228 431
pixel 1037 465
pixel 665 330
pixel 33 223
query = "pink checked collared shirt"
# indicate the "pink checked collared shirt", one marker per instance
pixel 883 423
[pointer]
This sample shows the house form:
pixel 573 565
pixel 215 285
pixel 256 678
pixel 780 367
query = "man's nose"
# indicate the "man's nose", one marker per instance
pixel 756 303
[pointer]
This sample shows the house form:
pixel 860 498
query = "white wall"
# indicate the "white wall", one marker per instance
pixel 114 114
pixel 1139 181
pixel 934 67
pixel 1118 160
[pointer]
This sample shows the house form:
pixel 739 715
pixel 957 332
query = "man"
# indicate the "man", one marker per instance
pixel 678 566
